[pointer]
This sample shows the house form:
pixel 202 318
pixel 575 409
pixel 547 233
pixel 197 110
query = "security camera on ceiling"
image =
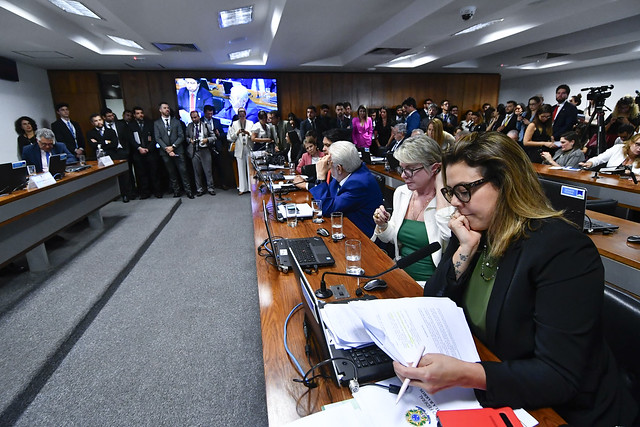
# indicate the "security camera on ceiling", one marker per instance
pixel 467 13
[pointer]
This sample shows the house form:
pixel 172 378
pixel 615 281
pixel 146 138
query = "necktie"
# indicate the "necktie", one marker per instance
pixel 168 127
pixel 192 102
pixel 113 128
pixel 141 125
pixel 101 130
pixel 197 131
pixel 506 119
pixel 71 129
pixel 47 154
pixel 555 112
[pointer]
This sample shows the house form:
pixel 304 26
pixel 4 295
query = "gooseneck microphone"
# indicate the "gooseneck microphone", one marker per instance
pixel 402 263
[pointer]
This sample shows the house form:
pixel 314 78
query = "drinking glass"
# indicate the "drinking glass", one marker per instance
pixel 31 169
pixel 292 218
pixel 82 159
pixel 353 254
pixel 336 226
pixel 316 205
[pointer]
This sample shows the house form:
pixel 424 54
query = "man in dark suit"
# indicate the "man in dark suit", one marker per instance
pixel 193 97
pixel 68 131
pixel 101 137
pixel 412 117
pixel 170 137
pixel 449 121
pixel 341 121
pixel 144 155
pixel 38 154
pixel 200 145
pixel 124 138
pixel 238 98
pixel 353 189
pixel 565 114
pixel 310 123
pixel 510 120
pixel 222 159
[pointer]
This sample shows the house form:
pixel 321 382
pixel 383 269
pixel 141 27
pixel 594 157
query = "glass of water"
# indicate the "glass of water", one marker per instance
pixel 31 169
pixel 316 205
pixel 292 217
pixel 336 226
pixel 353 254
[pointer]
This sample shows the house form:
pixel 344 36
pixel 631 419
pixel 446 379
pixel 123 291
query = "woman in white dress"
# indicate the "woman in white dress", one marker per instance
pixel 240 136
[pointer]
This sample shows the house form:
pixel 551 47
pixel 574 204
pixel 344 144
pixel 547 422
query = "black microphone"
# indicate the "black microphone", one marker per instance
pixel 323 292
pixel 633 175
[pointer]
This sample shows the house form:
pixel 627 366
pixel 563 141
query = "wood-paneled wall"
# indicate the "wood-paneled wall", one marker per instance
pixel 295 90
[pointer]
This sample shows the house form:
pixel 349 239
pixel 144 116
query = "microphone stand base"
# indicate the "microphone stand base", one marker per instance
pixel 326 293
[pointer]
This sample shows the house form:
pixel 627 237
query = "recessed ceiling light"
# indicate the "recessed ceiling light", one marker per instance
pixel 75 7
pixel 239 54
pixel 538 66
pixel 478 27
pixel 228 18
pixel 125 42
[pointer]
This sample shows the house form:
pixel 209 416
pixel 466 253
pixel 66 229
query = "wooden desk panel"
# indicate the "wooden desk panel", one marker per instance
pixel 279 293
pixel 605 187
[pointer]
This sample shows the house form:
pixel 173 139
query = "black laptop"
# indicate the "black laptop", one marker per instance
pixel 310 251
pixel 573 201
pixel 58 165
pixel 371 362
pixel 13 176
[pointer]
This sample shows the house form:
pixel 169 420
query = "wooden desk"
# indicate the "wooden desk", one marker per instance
pixel 605 187
pixel 621 259
pixel 279 293
pixel 29 217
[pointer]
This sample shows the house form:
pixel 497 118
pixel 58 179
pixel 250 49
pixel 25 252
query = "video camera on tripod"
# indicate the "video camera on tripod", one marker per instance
pixel 598 94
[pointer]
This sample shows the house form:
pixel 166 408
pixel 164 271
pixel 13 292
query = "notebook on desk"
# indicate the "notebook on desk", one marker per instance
pixel 573 200
pixel 13 176
pixel 372 363
pixel 58 165
pixel 310 251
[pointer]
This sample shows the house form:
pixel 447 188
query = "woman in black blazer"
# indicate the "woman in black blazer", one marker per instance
pixel 531 285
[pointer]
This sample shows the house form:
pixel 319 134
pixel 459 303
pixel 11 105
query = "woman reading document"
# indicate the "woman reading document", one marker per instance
pixel 531 285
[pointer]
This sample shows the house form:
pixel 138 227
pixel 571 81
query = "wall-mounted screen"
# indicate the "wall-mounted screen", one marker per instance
pixel 226 95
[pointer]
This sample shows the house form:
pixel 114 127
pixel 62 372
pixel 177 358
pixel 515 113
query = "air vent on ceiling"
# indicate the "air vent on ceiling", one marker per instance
pixel 176 47
pixel 545 55
pixel 391 51
pixel 42 54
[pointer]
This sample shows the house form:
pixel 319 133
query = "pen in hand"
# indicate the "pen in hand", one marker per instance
pixel 406 381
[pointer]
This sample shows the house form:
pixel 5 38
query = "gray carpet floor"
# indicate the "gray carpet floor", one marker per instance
pixel 171 336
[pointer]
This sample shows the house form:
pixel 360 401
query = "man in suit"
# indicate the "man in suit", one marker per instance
pixel 341 121
pixel 449 121
pixel 125 137
pixel 565 114
pixel 170 137
pixel 68 131
pixel 200 144
pixel 193 97
pixel 275 119
pixel 38 154
pixel 411 113
pixel 222 159
pixel 310 123
pixel 238 98
pixel 107 139
pixel 144 155
pixel 510 120
pixel 353 189
pixel 432 113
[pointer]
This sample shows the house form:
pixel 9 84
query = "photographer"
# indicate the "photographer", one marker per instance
pixel 624 113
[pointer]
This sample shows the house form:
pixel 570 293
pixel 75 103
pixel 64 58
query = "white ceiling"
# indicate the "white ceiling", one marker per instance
pixel 326 35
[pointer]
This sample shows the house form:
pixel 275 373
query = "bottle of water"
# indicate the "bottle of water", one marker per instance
pixel 99 152
pixel 387 166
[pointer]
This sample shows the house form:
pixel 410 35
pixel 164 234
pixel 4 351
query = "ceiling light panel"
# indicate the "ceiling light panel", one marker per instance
pixel 125 42
pixel 478 27
pixel 228 18
pixel 239 54
pixel 75 7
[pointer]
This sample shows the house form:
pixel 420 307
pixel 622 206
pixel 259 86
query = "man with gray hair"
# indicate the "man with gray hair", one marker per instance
pixel 38 154
pixel 353 190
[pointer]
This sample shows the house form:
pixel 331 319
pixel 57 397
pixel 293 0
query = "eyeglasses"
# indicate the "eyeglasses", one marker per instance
pixel 409 172
pixel 461 191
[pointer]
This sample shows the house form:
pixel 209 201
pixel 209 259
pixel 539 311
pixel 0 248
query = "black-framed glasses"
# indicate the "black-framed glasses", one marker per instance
pixel 409 172
pixel 461 191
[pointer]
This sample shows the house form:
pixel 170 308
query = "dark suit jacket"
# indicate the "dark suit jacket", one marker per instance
pixel 357 199
pixel 565 120
pixel 31 154
pixel 165 140
pixel 203 97
pixel 143 134
pixel 413 122
pixel 341 124
pixel 63 134
pixel 450 123
pixel 306 126
pixel 109 143
pixel 511 124
pixel 543 322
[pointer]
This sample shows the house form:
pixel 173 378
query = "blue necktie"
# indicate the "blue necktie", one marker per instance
pixel 47 154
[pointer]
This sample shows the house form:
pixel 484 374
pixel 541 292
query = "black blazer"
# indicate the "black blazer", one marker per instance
pixel 565 120
pixel 109 143
pixel 145 134
pixel 544 322
pixel 511 124
pixel 63 134
pixel 31 154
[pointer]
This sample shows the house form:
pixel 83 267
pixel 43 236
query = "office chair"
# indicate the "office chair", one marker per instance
pixel 605 206
pixel 621 321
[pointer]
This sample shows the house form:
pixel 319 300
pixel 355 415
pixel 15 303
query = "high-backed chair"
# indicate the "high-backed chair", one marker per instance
pixel 605 206
pixel 621 320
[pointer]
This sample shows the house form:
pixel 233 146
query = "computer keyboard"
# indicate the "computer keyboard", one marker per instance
pixel 302 250
pixel 368 356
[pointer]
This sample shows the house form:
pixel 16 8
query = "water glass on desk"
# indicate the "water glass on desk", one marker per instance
pixel 292 215
pixel 353 254
pixel 82 159
pixel 316 205
pixel 336 226
pixel 31 169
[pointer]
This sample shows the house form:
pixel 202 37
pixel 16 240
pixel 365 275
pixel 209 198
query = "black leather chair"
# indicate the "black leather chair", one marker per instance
pixel 621 321
pixel 605 206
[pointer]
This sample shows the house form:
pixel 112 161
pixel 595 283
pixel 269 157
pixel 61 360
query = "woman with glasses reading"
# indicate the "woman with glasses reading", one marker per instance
pixel 531 285
pixel 420 212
